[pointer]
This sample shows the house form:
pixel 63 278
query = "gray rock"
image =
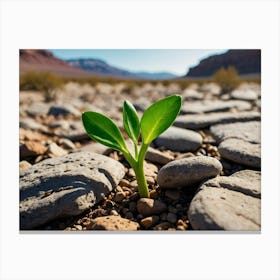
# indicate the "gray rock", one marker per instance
pixel 188 171
pixel 141 104
pixel 212 88
pixel 224 209
pixel 149 207
pixel 192 94
pixel 96 148
pixel 208 106
pixel 63 110
pixel 247 131
pixel 241 184
pixel 65 186
pixel 75 135
pixel 249 175
pixel 199 121
pixel 31 124
pixel 156 156
pixel 171 218
pixel 76 132
pixel 179 140
pixel 241 152
pixel 249 95
pixel 62 124
pixel 38 109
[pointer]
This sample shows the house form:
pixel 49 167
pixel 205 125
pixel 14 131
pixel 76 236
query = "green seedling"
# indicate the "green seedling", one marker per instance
pixel 155 120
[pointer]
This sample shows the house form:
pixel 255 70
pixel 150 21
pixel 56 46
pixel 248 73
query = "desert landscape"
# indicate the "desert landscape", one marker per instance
pixel 203 172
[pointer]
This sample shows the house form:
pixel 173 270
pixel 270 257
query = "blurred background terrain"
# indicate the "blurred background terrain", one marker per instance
pixel 219 118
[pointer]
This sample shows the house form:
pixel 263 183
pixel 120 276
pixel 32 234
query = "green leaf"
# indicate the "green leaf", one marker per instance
pixel 131 121
pixel 103 130
pixel 159 116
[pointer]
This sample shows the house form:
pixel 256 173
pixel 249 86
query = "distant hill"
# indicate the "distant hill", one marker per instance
pixel 156 76
pixel 45 61
pixel 245 61
pixel 100 67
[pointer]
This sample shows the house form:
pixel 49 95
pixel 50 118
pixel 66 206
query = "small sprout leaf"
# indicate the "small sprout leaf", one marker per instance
pixel 159 116
pixel 131 121
pixel 103 130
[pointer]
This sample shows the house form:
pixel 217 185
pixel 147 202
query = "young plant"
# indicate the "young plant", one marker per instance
pixel 155 120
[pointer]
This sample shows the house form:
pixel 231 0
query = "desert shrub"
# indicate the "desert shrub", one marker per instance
pixel 44 82
pixel 227 78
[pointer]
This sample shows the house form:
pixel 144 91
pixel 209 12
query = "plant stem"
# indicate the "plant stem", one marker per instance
pixel 139 172
pixel 141 180
pixel 138 167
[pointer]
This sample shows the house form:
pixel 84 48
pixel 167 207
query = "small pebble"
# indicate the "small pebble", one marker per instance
pixel 153 194
pixel 133 184
pixel 129 215
pixel 119 189
pixel 114 212
pixel 180 228
pixel 124 183
pixel 162 226
pixel 24 165
pixel 171 218
pixel 163 216
pixel 132 206
pixel 172 209
pixel 150 180
pixel 139 217
pixel 148 206
pixel 149 221
pixel 78 227
pixel 181 223
pixel 119 196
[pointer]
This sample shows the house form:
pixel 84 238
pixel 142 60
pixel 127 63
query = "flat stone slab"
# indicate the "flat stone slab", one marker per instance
pixel 212 88
pixel 249 175
pixel 156 156
pixel 247 131
pixel 75 132
pixel 198 121
pixel 192 94
pixel 179 140
pixel 96 148
pixel 240 151
pixel 188 171
pixel 65 186
pixel 208 106
pixel 63 110
pixel 224 209
pixel 38 109
pixel 28 123
pixel 248 184
pixel 245 94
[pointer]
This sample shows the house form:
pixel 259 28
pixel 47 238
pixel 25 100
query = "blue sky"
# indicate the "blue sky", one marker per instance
pixel 149 60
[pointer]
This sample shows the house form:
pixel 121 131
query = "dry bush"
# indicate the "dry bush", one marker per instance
pixel 44 82
pixel 227 78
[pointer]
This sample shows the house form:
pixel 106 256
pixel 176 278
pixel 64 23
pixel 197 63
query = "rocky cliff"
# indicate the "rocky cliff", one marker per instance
pixel 245 62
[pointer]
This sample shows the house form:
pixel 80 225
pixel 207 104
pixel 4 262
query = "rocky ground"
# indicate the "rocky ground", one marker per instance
pixel 203 172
